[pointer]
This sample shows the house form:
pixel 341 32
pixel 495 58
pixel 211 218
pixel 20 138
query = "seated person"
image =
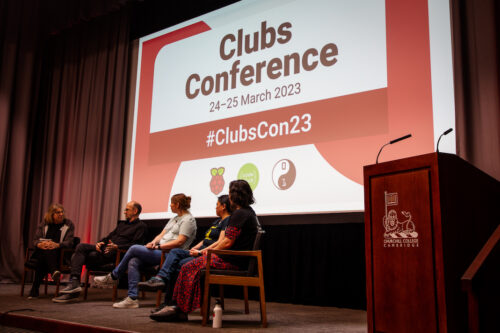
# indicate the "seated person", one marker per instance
pixel 178 257
pixel 127 233
pixel 240 235
pixel 180 232
pixel 55 232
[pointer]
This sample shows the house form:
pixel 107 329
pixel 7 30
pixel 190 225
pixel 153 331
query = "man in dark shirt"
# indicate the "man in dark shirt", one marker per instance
pixel 126 234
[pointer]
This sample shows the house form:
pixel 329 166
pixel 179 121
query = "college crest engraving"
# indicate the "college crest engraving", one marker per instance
pixel 398 233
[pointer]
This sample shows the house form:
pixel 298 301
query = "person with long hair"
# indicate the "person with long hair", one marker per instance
pixel 179 232
pixel 240 235
pixel 55 232
pixel 176 258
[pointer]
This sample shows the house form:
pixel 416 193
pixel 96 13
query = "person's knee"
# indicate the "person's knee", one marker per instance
pixel 80 247
pixel 134 249
pixel 176 251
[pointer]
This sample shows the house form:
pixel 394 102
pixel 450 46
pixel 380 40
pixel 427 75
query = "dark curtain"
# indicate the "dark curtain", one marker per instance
pixel 62 126
pixel 476 48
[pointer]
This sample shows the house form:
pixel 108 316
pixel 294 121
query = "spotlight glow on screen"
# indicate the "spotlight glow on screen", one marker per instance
pixel 293 96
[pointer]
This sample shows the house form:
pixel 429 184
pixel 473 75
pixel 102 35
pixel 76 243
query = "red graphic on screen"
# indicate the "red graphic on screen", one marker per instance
pixel 217 181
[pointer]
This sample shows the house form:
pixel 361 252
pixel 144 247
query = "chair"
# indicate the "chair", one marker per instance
pixel 102 270
pixel 64 265
pixel 108 268
pixel 252 277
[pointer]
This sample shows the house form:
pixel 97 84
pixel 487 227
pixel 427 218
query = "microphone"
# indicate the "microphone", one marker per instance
pixel 390 143
pixel 445 133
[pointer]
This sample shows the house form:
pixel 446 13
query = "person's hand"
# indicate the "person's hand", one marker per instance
pixel 111 247
pixel 150 245
pixel 193 253
pixel 52 245
pixel 43 245
pixel 203 252
pixel 98 246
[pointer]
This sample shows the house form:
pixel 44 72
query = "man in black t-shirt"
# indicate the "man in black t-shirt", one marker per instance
pixel 127 233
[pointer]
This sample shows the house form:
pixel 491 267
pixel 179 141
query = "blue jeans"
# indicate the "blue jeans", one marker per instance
pixel 136 257
pixel 173 263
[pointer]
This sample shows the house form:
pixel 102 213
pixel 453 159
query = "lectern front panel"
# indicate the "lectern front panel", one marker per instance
pixel 403 275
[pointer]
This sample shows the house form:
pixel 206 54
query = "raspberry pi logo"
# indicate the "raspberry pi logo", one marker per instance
pixel 217 182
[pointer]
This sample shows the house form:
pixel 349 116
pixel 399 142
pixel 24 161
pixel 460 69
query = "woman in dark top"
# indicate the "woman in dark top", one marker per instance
pixel 55 232
pixel 240 235
pixel 176 258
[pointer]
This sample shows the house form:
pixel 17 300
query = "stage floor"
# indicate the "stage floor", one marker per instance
pixel 97 311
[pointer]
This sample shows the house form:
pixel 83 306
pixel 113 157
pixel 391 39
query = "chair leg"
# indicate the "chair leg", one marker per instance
pixel 245 297
pixel 205 306
pixel 46 283
pixel 263 317
pixel 143 293
pixel 58 283
pixel 22 283
pixel 158 298
pixel 86 287
pixel 115 293
pixel 221 295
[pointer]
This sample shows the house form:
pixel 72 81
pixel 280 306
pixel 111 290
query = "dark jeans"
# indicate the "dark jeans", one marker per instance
pixel 170 270
pixel 86 254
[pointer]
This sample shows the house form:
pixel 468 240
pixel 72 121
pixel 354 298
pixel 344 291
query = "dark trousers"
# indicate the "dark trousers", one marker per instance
pixel 47 261
pixel 86 254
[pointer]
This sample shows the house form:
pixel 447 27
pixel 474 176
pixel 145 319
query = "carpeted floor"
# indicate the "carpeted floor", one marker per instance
pixel 97 311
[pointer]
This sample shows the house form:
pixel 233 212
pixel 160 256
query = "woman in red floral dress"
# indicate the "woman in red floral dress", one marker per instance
pixel 240 235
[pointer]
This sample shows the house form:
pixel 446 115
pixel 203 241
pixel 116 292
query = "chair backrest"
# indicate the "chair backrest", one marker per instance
pixel 257 244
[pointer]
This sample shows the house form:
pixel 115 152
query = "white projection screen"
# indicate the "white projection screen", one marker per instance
pixel 293 96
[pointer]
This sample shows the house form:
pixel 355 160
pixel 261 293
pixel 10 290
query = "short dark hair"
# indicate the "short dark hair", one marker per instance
pixel 224 200
pixel 241 193
pixel 137 206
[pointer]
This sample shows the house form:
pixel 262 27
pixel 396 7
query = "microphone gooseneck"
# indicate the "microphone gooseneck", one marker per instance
pixel 444 133
pixel 390 143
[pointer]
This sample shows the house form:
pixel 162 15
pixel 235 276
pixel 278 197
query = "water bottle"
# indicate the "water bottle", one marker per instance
pixel 217 321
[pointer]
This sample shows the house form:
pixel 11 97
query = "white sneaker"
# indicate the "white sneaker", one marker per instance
pixel 105 281
pixel 127 303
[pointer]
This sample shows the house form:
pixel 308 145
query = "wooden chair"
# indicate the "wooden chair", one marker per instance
pixel 108 268
pixel 64 265
pixel 252 277
pixel 100 271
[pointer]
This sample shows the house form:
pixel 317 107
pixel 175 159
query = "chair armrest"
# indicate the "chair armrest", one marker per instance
pixel 253 253
pixel 118 255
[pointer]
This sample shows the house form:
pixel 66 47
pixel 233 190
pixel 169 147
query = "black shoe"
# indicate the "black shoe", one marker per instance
pixel 153 284
pixel 72 288
pixel 34 293
pixel 170 314
pixel 162 305
pixel 66 298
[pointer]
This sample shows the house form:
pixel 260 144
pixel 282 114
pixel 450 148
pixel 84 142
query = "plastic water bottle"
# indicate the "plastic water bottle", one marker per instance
pixel 217 321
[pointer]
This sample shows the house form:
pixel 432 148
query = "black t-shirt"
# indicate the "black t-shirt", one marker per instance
pixel 212 234
pixel 242 228
pixel 53 232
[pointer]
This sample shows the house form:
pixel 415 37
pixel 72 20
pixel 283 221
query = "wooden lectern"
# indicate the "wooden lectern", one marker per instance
pixel 426 217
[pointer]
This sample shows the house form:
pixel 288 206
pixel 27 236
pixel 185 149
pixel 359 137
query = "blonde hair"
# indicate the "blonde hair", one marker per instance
pixel 49 216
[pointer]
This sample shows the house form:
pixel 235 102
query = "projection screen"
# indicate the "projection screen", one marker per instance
pixel 293 96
